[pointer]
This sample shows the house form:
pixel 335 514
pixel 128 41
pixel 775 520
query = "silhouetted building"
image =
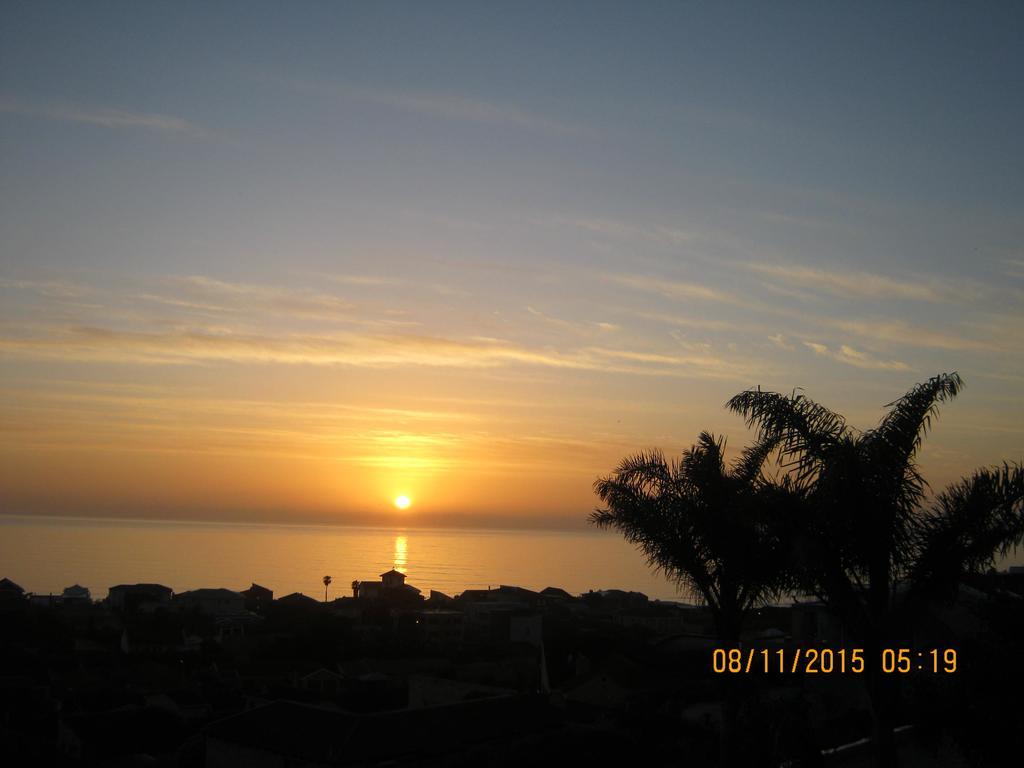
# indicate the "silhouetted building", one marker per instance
pixel 439 598
pixel 391 586
pixel 11 595
pixel 614 600
pixel 297 600
pixel 212 602
pixel 556 593
pixel 257 598
pixel 76 593
pixel 131 597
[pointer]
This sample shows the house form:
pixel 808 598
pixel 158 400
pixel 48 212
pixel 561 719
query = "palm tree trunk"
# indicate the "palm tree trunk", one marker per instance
pixel 883 690
pixel 729 757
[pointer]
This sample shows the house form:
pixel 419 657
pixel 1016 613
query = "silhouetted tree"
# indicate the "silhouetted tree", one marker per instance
pixel 327 583
pixel 862 542
pixel 707 528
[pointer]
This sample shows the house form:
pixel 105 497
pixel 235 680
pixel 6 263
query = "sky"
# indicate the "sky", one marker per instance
pixel 287 262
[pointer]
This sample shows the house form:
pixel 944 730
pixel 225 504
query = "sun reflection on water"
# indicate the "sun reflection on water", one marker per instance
pixel 401 553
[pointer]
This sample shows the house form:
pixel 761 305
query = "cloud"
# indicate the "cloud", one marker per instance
pixel 780 341
pixel 212 295
pixel 695 322
pixel 850 356
pixel 864 284
pixel 190 347
pixel 363 280
pixel 577 328
pixel 108 118
pixel 898 332
pixel 53 289
pixel 673 289
pixel 447 106
pixel 380 281
pixel 1014 267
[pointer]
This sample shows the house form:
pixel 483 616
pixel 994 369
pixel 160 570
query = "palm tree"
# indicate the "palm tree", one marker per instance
pixel 327 583
pixel 707 528
pixel 863 544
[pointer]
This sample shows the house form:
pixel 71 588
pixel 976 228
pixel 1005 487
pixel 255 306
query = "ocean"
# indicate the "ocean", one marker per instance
pixel 46 554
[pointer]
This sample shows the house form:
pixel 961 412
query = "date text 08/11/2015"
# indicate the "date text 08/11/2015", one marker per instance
pixel 814 661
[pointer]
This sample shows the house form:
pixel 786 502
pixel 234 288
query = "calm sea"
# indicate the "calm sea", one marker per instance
pixel 45 555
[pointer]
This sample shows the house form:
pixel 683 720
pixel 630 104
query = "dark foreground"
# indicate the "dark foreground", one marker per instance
pixel 491 677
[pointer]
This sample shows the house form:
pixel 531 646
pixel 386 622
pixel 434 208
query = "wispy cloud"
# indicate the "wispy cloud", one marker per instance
pixel 381 281
pixel 703 323
pixel 780 341
pixel 576 328
pixel 866 284
pixel 445 105
pixel 898 332
pixel 673 289
pixel 850 356
pixel 98 344
pixel 1014 267
pixel 52 289
pixel 362 280
pixel 210 294
pixel 108 118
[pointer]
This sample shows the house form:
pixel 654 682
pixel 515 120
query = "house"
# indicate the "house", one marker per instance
pixel 211 602
pixel 392 579
pixel 297 600
pixel 76 593
pixel 504 594
pixel 11 595
pixel 439 598
pixel 610 601
pixel 391 586
pixel 9 587
pixel 555 593
pixel 144 597
pixel 257 598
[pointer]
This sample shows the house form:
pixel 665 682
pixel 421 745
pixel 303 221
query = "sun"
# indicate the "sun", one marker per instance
pixel 402 502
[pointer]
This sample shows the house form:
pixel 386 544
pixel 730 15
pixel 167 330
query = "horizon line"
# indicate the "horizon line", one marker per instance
pixel 445 523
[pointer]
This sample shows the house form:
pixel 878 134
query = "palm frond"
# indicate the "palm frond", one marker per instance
pixel 898 438
pixel 747 468
pixel 971 522
pixel 802 428
pixel 697 523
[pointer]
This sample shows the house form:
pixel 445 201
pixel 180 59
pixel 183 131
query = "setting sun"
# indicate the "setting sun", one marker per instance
pixel 402 502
